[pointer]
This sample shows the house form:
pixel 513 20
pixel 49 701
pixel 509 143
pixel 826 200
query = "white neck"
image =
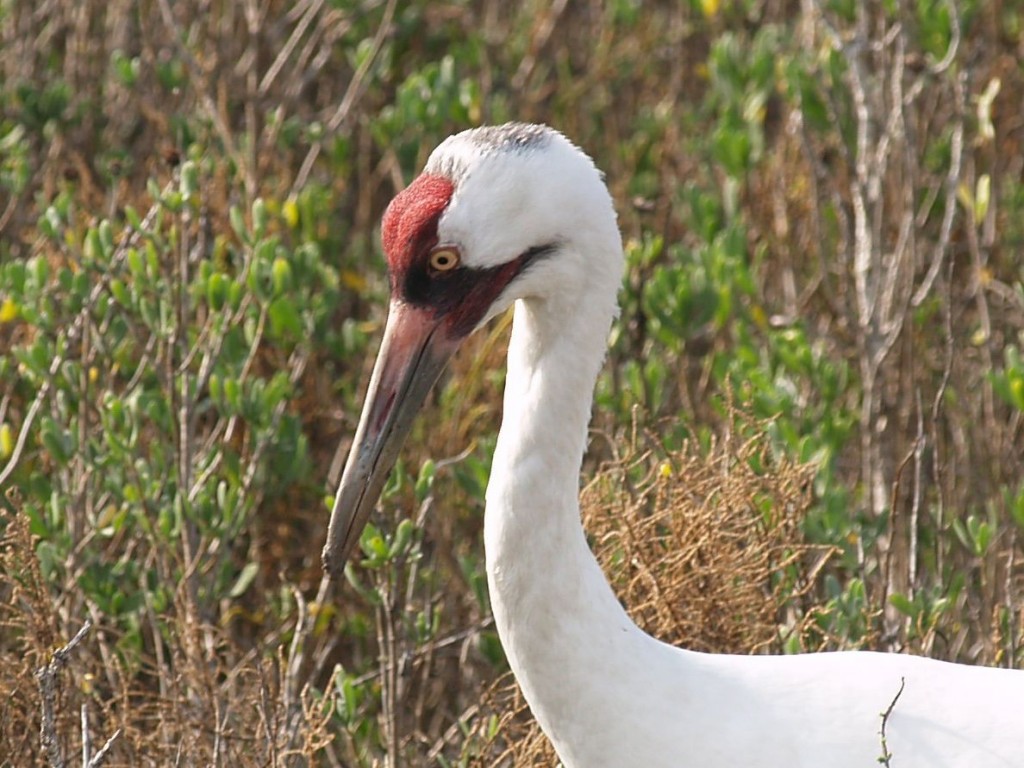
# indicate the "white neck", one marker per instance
pixel 557 617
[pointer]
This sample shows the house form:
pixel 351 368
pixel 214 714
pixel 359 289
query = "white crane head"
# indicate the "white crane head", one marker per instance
pixel 498 214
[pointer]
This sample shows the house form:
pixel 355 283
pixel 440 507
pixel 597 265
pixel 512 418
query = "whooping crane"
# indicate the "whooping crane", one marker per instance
pixel 516 214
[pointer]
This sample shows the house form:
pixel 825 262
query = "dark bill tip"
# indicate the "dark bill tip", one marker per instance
pixel 412 355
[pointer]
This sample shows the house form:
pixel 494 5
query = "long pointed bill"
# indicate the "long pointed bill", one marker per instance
pixel 412 355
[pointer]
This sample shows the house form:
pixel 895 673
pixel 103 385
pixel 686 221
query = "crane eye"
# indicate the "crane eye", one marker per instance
pixel 444 259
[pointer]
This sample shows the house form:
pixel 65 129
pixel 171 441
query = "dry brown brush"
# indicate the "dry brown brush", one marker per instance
pixel 187 703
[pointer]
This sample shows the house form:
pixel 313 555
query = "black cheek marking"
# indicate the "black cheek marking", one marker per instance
pixel 440 291
pixel 464 295
pixel 537 251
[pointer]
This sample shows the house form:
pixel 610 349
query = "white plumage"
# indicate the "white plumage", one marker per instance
pixel 532 224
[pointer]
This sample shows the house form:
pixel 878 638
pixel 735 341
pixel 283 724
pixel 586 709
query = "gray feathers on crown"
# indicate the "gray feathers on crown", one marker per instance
pixel 510 137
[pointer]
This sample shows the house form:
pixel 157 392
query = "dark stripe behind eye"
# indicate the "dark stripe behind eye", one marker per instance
pixel 538 251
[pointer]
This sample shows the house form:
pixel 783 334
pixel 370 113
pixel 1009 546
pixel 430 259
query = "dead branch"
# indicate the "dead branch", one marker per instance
pixel 886 754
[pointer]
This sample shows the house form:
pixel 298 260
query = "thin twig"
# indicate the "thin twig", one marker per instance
pixel 86 737
pixel 453 639
pixel 100 756
pixel 47 679
pixel 886 754
pixel 196 74
pixel 307 18
pixel 26 425
pixel 352 93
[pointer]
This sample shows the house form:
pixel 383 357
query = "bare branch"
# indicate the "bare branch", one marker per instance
pixel 46 676
pixel 100 756
pixel 354 91
pixel 886 754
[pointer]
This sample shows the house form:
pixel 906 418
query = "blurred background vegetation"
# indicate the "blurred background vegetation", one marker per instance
pixel 822 205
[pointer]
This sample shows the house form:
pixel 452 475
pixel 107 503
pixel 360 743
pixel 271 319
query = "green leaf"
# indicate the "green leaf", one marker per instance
pixel 490 648
pixel 216 291
pixel 260 218
pixel 402 539
pixel 189 179
pixel 425 481
pixel 285 321
pixel 902 604
pixel 281 272
pixel 244 580
pixel 238 224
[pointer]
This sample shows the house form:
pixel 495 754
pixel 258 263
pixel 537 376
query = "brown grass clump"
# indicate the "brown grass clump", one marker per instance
pixel 24 613
pixel 187 703
pixel 704 549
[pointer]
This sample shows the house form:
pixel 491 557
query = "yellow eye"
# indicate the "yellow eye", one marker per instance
pixel 444 259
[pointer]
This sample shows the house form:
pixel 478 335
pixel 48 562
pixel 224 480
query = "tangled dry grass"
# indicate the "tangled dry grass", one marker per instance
pixel 185 704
